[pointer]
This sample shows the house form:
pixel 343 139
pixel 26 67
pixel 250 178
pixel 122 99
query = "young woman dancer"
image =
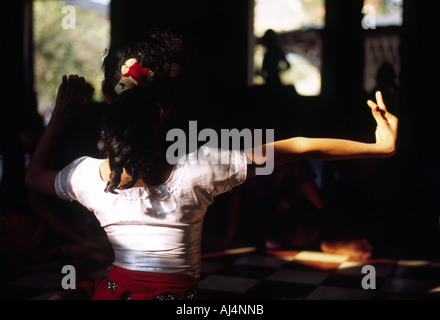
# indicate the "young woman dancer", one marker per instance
pixel 152 210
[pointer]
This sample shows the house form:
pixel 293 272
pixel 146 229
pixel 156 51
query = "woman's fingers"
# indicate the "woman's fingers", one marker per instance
pixel 381 113
pixel 376 111
pixel 391 119
pixel 88 92
pixel 393 122
pixel 74 90
pixel 372 105
pixel 76 82
pixel 380 102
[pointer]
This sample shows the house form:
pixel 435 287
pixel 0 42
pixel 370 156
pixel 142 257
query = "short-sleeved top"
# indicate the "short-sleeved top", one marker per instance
pixel 156 229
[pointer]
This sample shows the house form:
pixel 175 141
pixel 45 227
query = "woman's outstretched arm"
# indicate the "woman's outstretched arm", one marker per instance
pixel 300 148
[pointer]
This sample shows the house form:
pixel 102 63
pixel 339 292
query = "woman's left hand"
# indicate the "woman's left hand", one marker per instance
pixel 74 93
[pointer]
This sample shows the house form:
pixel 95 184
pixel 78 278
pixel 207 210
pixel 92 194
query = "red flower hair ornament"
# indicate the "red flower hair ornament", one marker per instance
pixel 133 74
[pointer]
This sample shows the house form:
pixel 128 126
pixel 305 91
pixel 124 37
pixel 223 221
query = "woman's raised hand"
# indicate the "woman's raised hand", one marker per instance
pixel 74 93
pixel 387 125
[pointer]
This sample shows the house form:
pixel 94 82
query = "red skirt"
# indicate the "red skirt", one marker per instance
pixel 124 284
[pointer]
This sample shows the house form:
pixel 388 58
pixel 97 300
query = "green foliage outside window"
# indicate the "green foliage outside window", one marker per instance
pixel 59 51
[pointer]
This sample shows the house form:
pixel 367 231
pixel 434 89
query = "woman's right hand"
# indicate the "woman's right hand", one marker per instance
pixel 387 126
pixel 74 93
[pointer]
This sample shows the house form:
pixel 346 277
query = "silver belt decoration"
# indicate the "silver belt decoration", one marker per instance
pixel 111 285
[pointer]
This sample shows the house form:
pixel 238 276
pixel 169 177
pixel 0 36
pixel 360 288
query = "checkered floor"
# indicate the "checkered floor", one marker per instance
pixel 309 275
pixel 249 274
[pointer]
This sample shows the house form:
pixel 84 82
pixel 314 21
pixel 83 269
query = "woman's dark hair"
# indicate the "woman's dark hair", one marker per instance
pixel 156 50
pixel 131 123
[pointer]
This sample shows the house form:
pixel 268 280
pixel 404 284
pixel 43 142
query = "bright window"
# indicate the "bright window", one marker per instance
pixel 296 22
pixel 387 12
pixel 69 38
pixel 382 54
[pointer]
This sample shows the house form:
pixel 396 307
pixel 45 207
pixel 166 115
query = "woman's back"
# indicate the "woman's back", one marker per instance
pixel 155 228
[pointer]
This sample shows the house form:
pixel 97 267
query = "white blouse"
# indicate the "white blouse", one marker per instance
pixel 156 229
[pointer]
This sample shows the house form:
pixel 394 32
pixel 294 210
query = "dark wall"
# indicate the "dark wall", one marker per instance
pixel 12 186
pixel 343 49
pixel 215 33
pixel 419 122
